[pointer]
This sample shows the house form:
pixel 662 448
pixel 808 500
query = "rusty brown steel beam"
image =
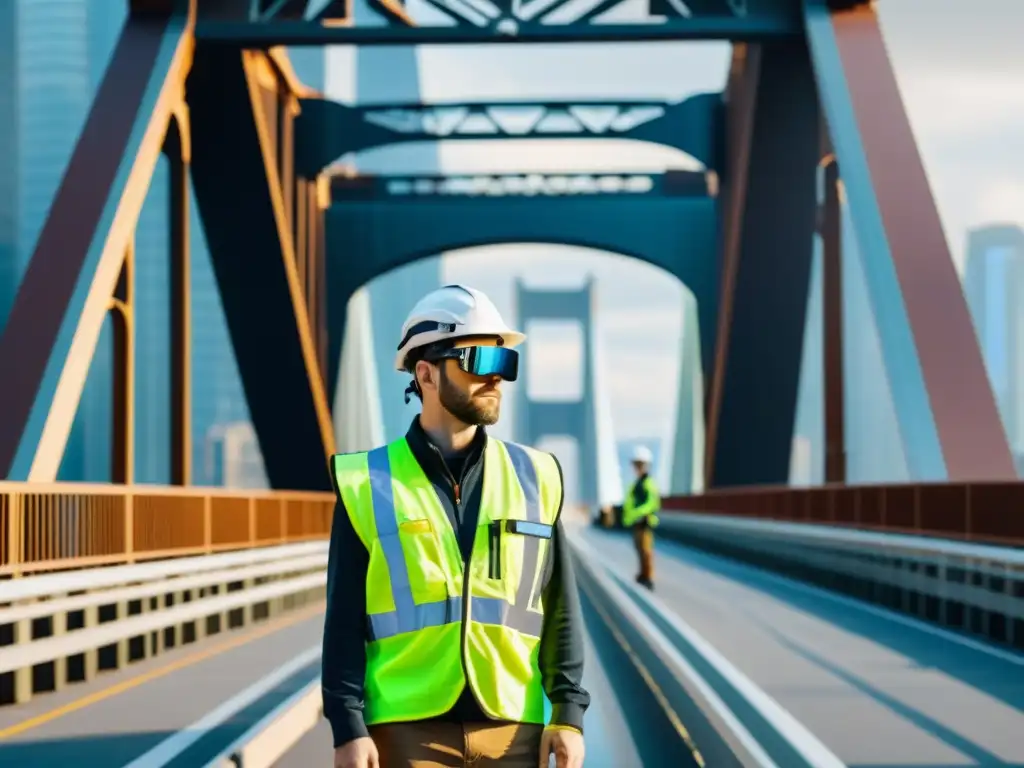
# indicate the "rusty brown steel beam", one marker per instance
pixel 741 101
pixel 973 511
pixel 832 317
pixel 965 417
pixel 53 326
pixel 123 317
pixel 177 147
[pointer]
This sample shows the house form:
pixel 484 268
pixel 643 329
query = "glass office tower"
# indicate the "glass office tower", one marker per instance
pixel 53 56
pixel 994 287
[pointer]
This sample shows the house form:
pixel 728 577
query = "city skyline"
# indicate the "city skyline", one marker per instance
pixel 966 114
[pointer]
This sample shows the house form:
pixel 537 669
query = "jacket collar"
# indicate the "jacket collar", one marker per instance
pixel 429 455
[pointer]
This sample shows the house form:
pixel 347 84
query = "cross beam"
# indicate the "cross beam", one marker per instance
pixel 498 186
pixel 473 22
pixel 326 130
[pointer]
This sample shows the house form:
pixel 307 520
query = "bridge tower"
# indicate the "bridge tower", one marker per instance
pixel 588 419
pixel 684 473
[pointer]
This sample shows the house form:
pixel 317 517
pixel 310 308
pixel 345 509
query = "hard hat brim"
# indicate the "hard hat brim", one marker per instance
pixel 509 337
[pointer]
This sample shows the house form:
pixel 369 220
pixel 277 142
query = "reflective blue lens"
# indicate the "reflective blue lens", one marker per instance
pixel 491 361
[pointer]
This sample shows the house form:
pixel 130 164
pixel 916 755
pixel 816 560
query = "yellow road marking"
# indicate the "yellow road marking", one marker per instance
pixel 153 674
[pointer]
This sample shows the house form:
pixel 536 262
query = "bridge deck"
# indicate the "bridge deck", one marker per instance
pixel 153 712
pixel 119 716
pixel 877 688
pixel 609 743
pixel 842 668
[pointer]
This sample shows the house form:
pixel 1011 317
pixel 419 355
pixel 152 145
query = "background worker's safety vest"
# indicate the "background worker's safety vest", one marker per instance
pixel 632 514
pixel 432 627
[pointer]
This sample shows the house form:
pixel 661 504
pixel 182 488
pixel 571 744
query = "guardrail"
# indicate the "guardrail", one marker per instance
pixel 973 587
pixel 730 720
pixel 46 527
pixel 971 511
pixel 65 627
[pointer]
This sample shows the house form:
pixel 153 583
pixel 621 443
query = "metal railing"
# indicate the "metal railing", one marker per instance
pixel 985 512
pixel 48 527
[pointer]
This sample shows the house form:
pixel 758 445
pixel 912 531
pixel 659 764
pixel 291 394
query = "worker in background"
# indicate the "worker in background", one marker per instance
pixel 451 601
pixel 640 513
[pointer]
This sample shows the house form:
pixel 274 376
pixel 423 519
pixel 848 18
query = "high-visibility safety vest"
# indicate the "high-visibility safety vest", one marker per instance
pixel 434 625
pixel 632 514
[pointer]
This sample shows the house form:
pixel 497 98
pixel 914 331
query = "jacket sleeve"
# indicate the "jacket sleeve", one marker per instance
pixel 344 643
pixel 561 645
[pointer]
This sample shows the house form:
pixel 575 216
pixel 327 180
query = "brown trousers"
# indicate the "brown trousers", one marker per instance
pixel 439 744
pixel 643 537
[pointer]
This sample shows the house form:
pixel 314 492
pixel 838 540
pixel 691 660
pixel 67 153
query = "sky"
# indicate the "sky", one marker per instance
pixel 960 68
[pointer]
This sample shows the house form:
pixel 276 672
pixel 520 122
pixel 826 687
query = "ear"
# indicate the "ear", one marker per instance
pixel 426 375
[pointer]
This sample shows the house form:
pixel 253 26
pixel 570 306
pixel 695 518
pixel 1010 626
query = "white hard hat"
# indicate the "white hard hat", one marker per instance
pixel 449 313
pixel 643 454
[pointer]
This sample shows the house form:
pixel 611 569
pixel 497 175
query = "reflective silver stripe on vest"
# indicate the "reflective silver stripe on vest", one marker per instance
pixel 519 616
pixel 408 616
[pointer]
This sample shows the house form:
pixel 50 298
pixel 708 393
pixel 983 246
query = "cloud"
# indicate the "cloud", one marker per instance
pixel 657 70
pixel 516 156
pixel 945 105
pixel 554 358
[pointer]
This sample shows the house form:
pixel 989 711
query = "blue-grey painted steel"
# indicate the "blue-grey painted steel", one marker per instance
pixel 773 25
pixel 680 235
pixel 495 188
pixel 910 395
pixel 325 130
pixel 41 412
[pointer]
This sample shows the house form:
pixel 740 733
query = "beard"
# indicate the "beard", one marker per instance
pixel 479 411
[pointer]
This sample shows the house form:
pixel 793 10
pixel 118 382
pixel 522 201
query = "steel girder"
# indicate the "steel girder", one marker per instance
pixel 326 130
pixel 268 266
pixel 497 187
pixel 944 403
pixel 369 237
pixel 230 23
pixel 82 264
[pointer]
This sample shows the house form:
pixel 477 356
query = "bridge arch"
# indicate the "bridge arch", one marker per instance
pixel 542 289
pixel 366 239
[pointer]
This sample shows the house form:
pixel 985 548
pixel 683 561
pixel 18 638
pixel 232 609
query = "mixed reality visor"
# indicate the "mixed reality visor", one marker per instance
pixel 483 361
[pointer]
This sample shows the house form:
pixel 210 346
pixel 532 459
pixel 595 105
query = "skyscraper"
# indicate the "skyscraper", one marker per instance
pixel 994 287
pixel 44 97
pixel 53 56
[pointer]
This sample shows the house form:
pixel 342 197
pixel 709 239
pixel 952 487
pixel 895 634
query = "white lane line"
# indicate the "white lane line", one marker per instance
pixel 792 730
pixel 178 742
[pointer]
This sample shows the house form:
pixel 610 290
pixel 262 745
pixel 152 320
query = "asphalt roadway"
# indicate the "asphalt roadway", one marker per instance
pixel 876 688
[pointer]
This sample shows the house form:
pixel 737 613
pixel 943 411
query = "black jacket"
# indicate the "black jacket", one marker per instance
pixel 344 642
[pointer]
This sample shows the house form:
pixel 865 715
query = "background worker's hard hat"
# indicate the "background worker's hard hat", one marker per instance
pixel 450 313
pixel 642 455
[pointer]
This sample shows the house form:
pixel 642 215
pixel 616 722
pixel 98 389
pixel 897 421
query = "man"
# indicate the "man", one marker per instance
pixel 451 600
pixel 639 512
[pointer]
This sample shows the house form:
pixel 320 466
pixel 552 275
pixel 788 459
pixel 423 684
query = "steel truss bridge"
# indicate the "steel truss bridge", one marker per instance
pixel 117 597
